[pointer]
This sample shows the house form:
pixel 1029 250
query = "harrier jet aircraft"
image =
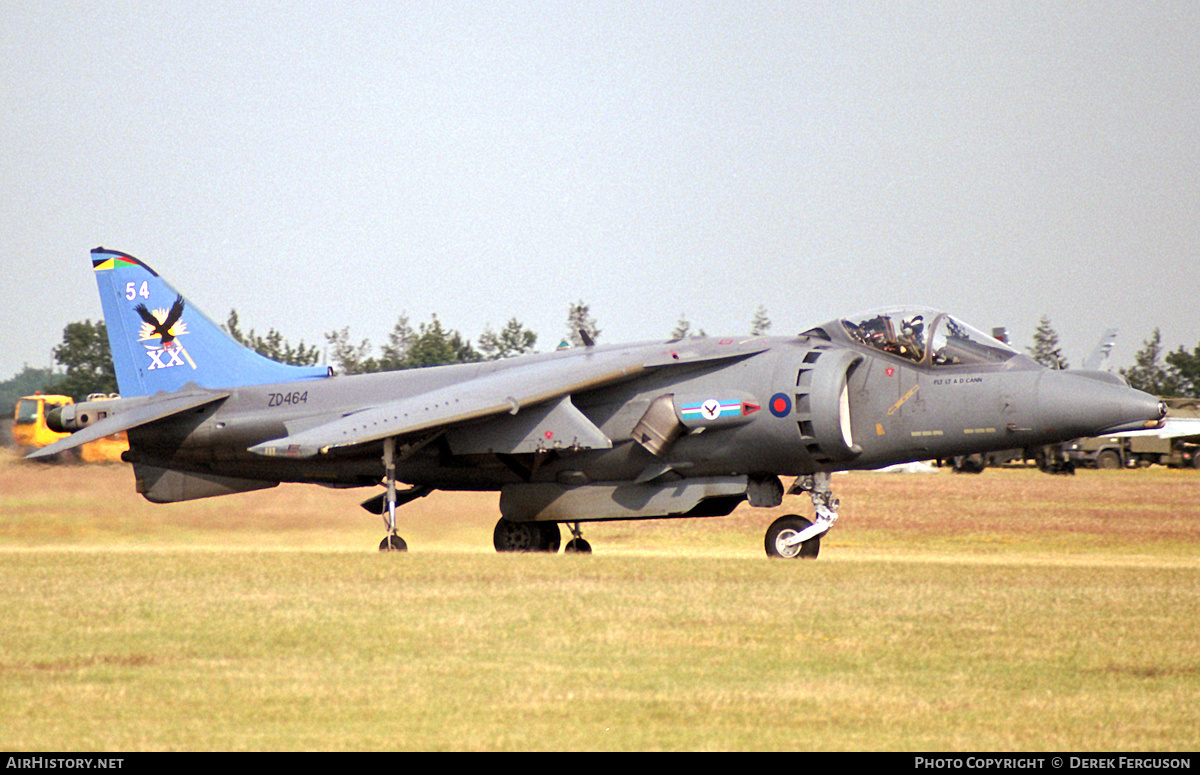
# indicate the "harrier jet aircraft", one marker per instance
pixel 680 428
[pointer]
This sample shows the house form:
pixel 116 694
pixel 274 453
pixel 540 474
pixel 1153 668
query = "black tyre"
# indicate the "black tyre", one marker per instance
pixel 526 536
pixel 551 537
pixel 784 528
pixel 578 546
pixel 1108 460
pixel 969 464
pixel 393 544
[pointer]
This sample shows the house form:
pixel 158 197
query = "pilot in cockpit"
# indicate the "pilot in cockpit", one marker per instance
pixel 911 341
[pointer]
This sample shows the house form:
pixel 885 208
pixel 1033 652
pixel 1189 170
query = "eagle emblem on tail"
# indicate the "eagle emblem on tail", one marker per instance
pixel 162 328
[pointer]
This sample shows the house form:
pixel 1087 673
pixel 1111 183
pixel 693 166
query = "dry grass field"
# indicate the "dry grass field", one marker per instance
pixel 1010 610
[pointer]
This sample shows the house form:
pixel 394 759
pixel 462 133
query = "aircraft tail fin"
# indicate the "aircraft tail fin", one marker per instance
pixel 160 342
pixel 1099 356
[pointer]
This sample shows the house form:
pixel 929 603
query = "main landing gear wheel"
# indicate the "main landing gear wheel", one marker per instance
pixel 526 536
pixel 779 539
pixel 393 543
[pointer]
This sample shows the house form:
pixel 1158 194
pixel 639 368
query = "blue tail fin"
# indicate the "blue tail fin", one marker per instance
pixel 160 342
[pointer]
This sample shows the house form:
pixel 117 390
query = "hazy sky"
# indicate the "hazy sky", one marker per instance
pixel 321 165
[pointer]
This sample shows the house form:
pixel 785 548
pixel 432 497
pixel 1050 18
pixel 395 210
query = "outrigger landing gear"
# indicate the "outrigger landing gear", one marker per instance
pixel 792 536
pixel 393 542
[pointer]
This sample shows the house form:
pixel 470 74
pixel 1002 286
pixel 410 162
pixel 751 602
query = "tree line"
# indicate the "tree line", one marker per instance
pixel 86 362
pixel 432 344
pixel 1174 374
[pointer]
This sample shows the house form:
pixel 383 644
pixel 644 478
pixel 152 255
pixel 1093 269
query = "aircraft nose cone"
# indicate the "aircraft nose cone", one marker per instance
pixel 1081 403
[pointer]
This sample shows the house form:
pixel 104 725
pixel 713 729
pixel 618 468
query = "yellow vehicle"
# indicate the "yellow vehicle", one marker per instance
pixel 31 432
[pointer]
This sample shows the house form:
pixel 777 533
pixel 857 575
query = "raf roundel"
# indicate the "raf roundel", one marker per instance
pixel 781 405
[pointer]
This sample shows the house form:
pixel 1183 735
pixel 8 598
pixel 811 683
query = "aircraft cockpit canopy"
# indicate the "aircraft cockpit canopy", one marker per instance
pixel 925 336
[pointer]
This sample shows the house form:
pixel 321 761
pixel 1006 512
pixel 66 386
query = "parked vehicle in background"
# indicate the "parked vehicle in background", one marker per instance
pixel 1176 445
pixel 30 430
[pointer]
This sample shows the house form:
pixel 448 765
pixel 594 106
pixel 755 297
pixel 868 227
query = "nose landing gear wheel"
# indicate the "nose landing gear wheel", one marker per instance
pixel 779 542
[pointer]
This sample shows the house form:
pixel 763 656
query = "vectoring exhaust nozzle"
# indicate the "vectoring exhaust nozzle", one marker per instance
pixel 75 417
pixel 54 420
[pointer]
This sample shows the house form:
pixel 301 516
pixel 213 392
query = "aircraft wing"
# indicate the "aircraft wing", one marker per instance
pixel 1172 428
pixel 496 394
pixel 140 414
pixel 506 391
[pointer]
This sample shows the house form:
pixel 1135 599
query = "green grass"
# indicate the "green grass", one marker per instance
pixel 224 625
